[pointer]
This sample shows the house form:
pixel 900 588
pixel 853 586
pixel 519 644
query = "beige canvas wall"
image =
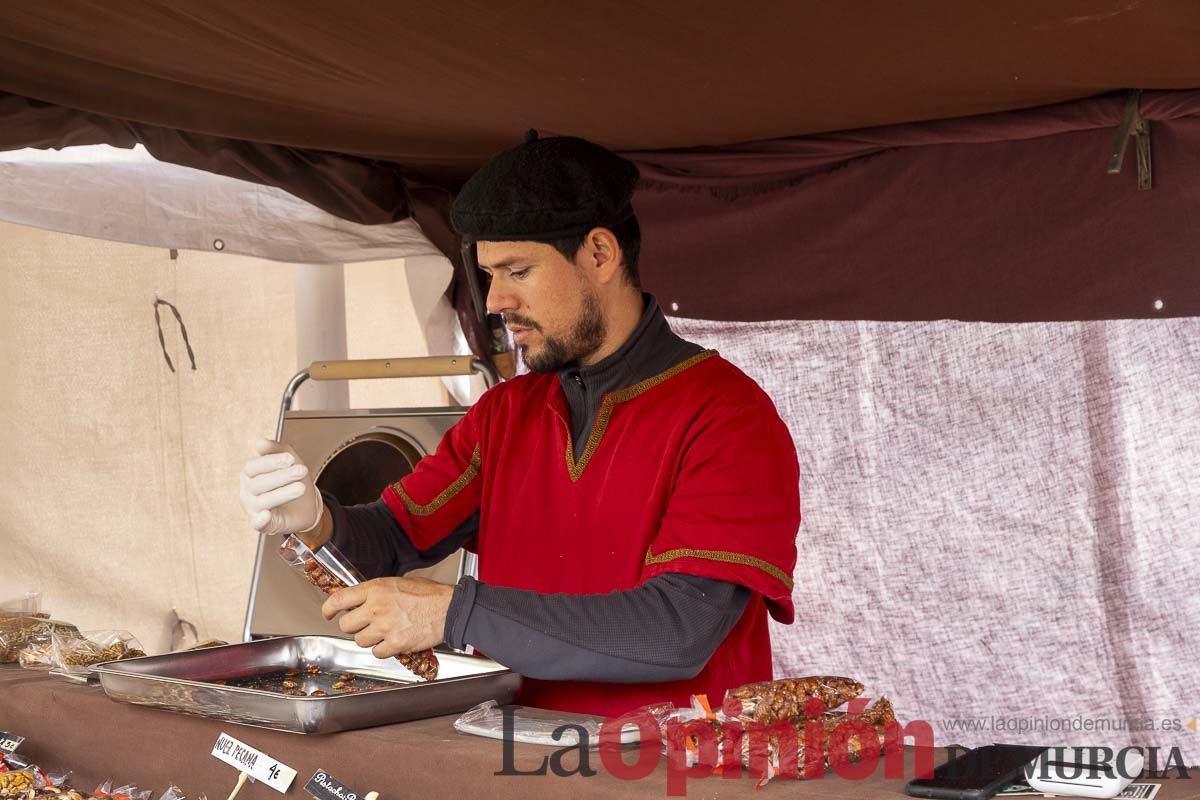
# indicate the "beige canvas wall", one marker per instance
pixel 381 323
pixel 118 487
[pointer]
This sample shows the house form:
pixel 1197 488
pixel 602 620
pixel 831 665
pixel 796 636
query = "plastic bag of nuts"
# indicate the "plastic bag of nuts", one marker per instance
pixel 780 750
pixel 21 779
pixel 37 655
pixel 18 632
pixel 74 654
pixel 19 782
pixel 785 699
pixel 424 664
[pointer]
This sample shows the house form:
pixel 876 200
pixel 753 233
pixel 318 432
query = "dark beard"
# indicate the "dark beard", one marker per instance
pixel 585 339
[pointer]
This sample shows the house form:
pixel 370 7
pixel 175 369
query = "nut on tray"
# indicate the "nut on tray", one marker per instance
pixel 244 683
pixel 332 571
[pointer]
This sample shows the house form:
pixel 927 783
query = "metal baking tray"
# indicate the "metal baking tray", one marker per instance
pixel 185 682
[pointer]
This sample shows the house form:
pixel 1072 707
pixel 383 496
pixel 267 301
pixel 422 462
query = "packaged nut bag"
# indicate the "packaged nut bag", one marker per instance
pixel 31 783
pixel 334 571
pixel 126 792
pixel 74 654
pixel 37 655
pixel 771 752
pixel 18 632
pixel 19 783
pixel 857 743
pixel 785 699
pixel 879 713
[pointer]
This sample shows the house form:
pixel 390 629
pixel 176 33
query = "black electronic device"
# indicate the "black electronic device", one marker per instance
pixel 976 774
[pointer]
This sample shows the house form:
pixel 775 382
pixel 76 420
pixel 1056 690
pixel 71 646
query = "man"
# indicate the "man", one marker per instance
pixel 633 500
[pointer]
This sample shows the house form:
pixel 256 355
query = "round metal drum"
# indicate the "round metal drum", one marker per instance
pixel 364 466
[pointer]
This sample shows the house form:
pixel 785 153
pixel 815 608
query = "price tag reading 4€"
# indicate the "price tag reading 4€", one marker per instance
pixel 257 764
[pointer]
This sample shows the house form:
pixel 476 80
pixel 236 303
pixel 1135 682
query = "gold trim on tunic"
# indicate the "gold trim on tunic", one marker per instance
pixel 575 468
pixel 446 494
pixel 721 555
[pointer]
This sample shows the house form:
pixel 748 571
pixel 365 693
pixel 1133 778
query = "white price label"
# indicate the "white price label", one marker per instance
pixel 9 742
pixel 257 764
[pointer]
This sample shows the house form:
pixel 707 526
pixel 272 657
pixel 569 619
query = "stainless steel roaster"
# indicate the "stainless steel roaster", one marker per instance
pixel 355 453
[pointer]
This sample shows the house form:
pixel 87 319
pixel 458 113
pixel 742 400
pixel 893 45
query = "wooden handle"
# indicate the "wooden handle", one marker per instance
pixel 413 367
pixel 418 367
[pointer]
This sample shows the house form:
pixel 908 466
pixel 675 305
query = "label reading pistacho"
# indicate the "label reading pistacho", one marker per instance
pixel 324 786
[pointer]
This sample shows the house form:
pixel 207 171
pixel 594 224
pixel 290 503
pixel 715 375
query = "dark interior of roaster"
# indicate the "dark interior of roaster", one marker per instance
pixel 363 468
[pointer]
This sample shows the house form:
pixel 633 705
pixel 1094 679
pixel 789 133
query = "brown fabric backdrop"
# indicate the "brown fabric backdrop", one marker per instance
pixel 357 189
pixel 995 217
pixel 438 87
pixel 1007 217
pixel 1004 217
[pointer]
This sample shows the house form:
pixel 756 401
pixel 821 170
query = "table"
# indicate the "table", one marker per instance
pixel 76 727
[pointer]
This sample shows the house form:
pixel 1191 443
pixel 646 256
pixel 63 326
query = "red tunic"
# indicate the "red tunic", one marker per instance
pixel 690 471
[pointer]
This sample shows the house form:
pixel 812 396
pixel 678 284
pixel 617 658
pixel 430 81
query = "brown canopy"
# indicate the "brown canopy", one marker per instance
pixel 352 106
pixel 437 87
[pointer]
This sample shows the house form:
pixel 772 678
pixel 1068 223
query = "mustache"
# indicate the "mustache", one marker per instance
pixel 517 319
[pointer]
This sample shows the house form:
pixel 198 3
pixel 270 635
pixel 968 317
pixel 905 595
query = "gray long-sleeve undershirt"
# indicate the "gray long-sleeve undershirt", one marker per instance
pixel 663 630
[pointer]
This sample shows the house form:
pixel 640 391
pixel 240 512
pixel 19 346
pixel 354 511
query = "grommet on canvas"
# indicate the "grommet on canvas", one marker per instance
pixel 674 306
pixel 218 244
pixel 1158 305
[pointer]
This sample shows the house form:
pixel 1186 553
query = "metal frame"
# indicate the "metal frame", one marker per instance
pixel 470 562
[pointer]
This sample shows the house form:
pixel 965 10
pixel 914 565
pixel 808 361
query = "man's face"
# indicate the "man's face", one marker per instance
pixel 546 300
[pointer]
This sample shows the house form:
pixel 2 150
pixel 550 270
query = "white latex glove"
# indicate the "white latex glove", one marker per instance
pixel 277 492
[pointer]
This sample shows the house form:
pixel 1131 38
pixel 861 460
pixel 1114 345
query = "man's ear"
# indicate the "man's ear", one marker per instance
pixel 603 255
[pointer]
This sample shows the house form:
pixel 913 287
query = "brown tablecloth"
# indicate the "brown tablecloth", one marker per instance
pixel 75 727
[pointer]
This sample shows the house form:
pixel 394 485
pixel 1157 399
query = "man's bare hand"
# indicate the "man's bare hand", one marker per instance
pixel 392 615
